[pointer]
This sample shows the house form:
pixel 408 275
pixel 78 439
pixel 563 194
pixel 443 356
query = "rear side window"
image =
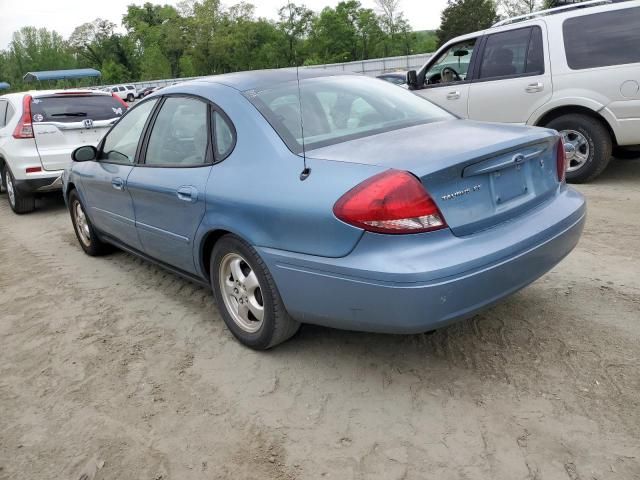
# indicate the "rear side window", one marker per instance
pixel 224 136
pixel 71 108
pixel 515 52
pixel 603 39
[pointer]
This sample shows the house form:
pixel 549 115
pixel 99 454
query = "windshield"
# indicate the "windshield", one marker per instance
pixel 75 108
pixel 341 108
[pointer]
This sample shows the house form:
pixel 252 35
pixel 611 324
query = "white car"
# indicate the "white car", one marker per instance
pixel 38 132
pixel 125 92
pixel 575 69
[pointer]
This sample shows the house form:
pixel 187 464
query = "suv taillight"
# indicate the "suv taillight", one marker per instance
pixel 24 129
pixel 390 202
pixel 561 160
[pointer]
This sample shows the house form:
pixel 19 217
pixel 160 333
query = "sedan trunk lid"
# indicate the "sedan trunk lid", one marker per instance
pixel 478 174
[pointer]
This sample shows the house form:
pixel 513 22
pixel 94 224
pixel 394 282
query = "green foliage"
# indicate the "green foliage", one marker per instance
pixel 203 37
pixel 465 16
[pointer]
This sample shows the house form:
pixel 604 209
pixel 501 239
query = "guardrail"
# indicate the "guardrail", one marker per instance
pixel 371 67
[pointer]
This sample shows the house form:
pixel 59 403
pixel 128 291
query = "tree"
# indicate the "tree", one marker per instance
pixel 465 16
pixel 513 8
pixel 295 22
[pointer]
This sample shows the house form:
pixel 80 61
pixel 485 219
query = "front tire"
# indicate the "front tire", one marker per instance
pixel 85 232
pixel 247 296
pixel 19 202
pixel 588 145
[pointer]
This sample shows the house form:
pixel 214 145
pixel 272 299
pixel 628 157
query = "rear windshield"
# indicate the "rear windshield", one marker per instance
pixel 341 108
pixel 603 39
pixel 75 108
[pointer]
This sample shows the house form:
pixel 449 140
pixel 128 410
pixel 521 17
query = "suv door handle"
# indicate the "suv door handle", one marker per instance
pixel 455 95
pixel 117 183
pixel 187 194
pixel 534 87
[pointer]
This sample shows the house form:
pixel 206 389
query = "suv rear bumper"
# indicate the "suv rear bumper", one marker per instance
pixel 50 183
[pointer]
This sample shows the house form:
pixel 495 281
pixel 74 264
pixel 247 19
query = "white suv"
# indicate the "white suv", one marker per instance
pixel 575 69
pixel 38 132
pixel 125 92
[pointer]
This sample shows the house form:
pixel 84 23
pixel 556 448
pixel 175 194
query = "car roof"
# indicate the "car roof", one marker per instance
pixel 265 79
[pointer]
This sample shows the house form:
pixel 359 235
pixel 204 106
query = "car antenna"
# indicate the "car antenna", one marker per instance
pixel 306 170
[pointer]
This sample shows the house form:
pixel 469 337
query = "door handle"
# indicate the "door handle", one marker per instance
pixel 118 183
pixel 535 87
pixel 453 95
pixel 187 194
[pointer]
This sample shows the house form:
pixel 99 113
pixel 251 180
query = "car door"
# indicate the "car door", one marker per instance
pixel 447 77
pixel 168 187
pixel 513 76
pixel 104 182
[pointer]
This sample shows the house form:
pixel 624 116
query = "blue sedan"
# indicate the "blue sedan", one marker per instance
pixel 328 199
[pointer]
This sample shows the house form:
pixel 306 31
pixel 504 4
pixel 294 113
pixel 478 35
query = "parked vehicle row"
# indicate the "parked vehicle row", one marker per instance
pixel 339 200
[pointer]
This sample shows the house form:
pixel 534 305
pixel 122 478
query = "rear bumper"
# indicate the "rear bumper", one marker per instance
pixel 50 182
pixel 421 282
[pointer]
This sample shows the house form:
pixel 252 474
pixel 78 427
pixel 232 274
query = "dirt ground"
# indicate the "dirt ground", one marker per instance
pixel 112 368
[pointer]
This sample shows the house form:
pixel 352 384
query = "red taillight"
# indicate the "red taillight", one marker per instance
pixel 390 202
pixel 120 100
pixel 561 159
pixel 24 129
pixel 33 169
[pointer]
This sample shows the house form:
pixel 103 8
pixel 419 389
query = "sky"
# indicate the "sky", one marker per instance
pixel 64 15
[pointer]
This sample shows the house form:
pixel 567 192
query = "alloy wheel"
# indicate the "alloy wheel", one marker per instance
pixel 10 191
pixel 576 147
pixel 82 225
pixel 241 292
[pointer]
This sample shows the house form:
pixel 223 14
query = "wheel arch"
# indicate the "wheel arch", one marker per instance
pixel 557 112
pixel 207 243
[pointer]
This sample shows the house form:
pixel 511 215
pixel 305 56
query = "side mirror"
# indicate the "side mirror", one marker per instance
pixel 85 153
pixel 412 79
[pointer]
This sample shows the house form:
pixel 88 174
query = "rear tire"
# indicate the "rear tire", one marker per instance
pixel 242 285
pixel 130 98
pixel 19 202
pixel 595 145
pixel 86 234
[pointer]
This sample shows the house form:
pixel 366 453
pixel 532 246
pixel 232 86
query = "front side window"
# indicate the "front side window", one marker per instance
pixel 452 65
pixel 179 136
pixel 514 52
pixel 341 108
pixel 121 142
pixel 603 39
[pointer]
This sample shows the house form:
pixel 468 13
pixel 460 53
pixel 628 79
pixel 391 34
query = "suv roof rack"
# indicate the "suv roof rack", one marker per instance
pixel 553 11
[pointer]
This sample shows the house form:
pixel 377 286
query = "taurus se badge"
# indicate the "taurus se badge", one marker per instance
pixel 460 193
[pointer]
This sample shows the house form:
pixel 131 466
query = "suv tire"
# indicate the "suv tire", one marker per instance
pixel 19 202
pixel 130 98
pixel 598 145
pixel 275 326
